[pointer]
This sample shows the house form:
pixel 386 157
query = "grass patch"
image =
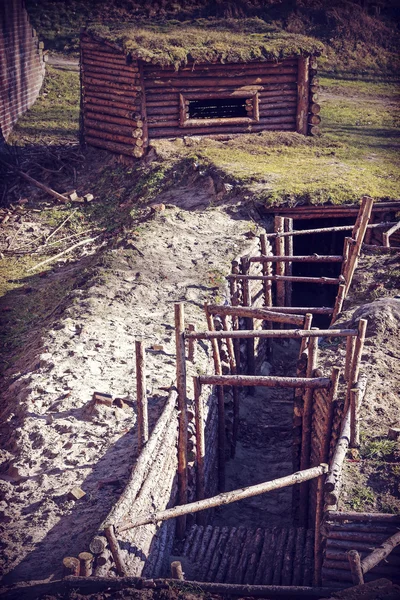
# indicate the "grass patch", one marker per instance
pixel 378 449
pixel 361 498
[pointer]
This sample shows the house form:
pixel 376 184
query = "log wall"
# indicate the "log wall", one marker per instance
pixel 22 64
pixel 362 532
pixel 113 110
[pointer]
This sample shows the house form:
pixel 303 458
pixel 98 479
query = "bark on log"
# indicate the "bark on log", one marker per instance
pixel 314 258
pixel 270 333
pixel 176 570
pixel 97 125
pixel 97 545
pixel 113 147
pixel 71 566
pixel 194 548
pixel 280 268
pixel 112 137
pixel 266 381
pixel 288 271
pixel 303 75
pixel 86 564
pixel 256 313
pixel 225 498
pixel 308 558
pixel 299 556
pixel 91 73
pixel 254 557
pixel 244 556
pixel 334 515
pixel 282 278
pixel 115 550
pixel 208 555
pixel 100 109
pixel 141 395
pixel 183 419
pixel 379 554
pixel 104 118
pixel 218 553
pixel 200 444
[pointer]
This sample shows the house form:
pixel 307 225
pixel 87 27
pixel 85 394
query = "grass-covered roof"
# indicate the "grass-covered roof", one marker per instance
pixel 205 40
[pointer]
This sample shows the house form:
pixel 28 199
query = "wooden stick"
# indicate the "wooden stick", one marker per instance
pixel 115 550
pixel 267 271
pixel 288 226
pixel 339 302
pixel 347 246
pixel 266 381
pixel 43 187
pixel 86 564
pixel 280 267
pixel 355 567
pixel 249 323
pixel 313 258
pixel 141 395
pixel 355 366
pixel 192 345
pixel 306 430
pixel 235 393
pixel 307 326
pixel 318 551
pixel 71 214
pixel 330 229
pixel 56 256
pixel 386 236
pixel 354 419
pixel 71 566
pixel 283 278
pixel 176 570
pixel 271 333
pixel 331 412
pixel 350 345
pixel 225 498
pixel 379 554
pixel 359 237
pixel 200 444
pixel 221 404
pixel 256 313
pixel 182 406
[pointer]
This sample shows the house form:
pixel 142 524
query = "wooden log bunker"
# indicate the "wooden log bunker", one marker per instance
pixel 130 96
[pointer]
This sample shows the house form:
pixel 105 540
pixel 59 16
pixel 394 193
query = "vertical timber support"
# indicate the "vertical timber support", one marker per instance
pixel 141 396
pixel 235 390
pixel 306 430
pixel 143 108
pixel 280 266
pixel 183 417
pixel 355 367
pixel 245 268
pixel 303 79
pixel 288 226
pixel 200 446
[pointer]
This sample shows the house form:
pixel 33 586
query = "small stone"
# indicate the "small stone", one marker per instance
pixel 105 399
pixel 394 433
pixel 88 197
pixel 73 196
pixel 157 208
pixel 76 494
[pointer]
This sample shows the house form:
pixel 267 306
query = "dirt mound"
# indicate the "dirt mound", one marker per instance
pixel 383 316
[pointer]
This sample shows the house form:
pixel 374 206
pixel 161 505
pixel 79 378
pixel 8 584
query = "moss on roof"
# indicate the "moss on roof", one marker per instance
pixel 205 40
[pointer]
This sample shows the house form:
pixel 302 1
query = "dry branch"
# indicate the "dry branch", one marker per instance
pixel 56 256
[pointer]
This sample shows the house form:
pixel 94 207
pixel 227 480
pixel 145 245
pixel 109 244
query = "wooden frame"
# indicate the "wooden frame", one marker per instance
pixel 185 98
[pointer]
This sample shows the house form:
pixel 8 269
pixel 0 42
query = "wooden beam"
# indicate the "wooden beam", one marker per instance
pixel 256 313
pixel 141 395
pixel 283 278
pixel 182 406
pixel 313 258
pixel 280 267
pixel 266 381
pixel 271 333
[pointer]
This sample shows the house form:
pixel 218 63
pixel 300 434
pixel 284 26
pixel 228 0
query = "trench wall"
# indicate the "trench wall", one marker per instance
pixel 22 64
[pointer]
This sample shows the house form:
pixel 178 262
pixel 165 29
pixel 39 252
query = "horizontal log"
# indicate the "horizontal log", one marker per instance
pixel 212 66
pixel 108 110
pixel 218 125
pixel 103 88
pixel 341 554
pixel 113 137
pixel 255 381
pixel 255 313
pixel 102 117
pixel 327 229
pixel 127 129
pixel 101 47
pixel 107 145
pixel 170 132
pixel 127 87
pixel 344 565
pixel 321 280
pixel 225 498
pixel 112 99
pixel 270 333
pixel 215 122
pixel 334 515
pixel 99 65
pixel 101 584
pixel 358 536
pixel 300 310
pixel 110 76
pixel 314 258
pixel 204 82
pixel 186 77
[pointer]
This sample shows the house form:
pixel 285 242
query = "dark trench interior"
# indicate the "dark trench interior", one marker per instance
pixel 217 108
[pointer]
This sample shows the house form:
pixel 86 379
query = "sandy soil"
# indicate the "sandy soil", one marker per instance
pixel 51 444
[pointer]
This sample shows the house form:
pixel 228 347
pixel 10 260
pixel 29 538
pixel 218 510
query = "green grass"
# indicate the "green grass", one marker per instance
pixel 378 449
pixel 55 115
pixel 361 498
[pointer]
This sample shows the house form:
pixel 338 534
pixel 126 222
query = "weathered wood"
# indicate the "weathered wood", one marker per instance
pixel 303 76
pixel 379 554
pixel 112 137
pixel 355 567
pixel 299 556
pixel 254 557
pixel 305 448
pixel 265 381
pixel 318 545
pixel 249 323
pixel 386 235
pixel 350 345
pixel 115 550
pixel 91 73
pixel 182 406
pixel 97 545
pixel 300 310
pixel 86 564
pixel 71 566
pixel 364 517
pixel 256 313
pixel 315 109
pixel 192 345
pixel 112 146
pixel 143 106
pixel 224 498
pixel 308 558
pixel 200 445
pixel 354 418
pixel 328 229
pixel 141 395
pixel 103 117
pixel 267 271
pixel 127 129
pixel 330 413
pixel 365 214
pixel 280 267
pixel 176 570
pixel 288 226
pixel 339 301
pixel 227 555
pixel 40 185
pixel 307 327
pixel 235 392
pixel 355 365
pixel 314 258
pixel 112 109
pixel 270 333
pixel 218 554
pixel 287 566
pixel 283 278
pixel 206 84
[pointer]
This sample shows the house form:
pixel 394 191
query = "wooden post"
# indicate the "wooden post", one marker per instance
pixel 221 404
pixel 319 510
pixel 267 270
pixel 141 395
pixel 86 564
pixel 115 550
pixel 235 391
pixel 350 345
pixel 303 77
pixel 245 266
pixel 182 407
pixel 280 266
pixel 354 418
pixel 347 246
pixel 307 326
pixel 306 430
pixel 71 566
pixel 288 226
pixel 355 367
pixel 355 567
pixel 192 344
pixel 358 235
pixel 235 302
pixel 176 570
pixel 339 301
pixel 200 445
pixel 331 412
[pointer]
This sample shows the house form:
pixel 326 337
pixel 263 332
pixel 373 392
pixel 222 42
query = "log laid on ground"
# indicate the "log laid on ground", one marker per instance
pixel 182 406
pixel 271 333
pixel 256 313
pixel 126 149
pixel 96 584
pixel 115 550
pixel 141 395
pixel 225 498
pixel 379 554
pixel 266 381
pixel 300 310
pixel 313 258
